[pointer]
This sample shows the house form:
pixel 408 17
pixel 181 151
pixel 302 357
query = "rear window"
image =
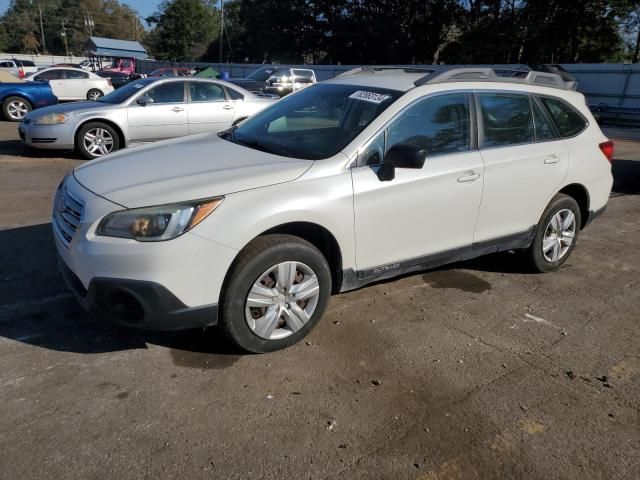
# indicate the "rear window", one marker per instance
pixel 568 121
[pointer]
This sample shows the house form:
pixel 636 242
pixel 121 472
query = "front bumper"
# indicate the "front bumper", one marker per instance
pixel 135 303
pixel 169 285
pixel 59 137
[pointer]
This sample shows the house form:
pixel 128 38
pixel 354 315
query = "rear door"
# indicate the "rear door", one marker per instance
pixel 166 117
pixel 208 109
pixel 525 163
pixel 75 84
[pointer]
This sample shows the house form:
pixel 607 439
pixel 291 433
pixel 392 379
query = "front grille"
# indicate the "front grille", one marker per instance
pixel 67 215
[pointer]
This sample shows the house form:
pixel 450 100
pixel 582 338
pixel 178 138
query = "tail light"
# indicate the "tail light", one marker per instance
pixel 21 73
pixel 607 149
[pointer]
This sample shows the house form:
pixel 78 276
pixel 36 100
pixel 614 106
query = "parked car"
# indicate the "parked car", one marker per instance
pixel 287 80
pixel 171 72
pixel 19 68
pixel 72 65
pixel 18 97
pixel 256 81
pixel 356 179
pixel 124 65
pixel 117 79
pixel 142 111
pixel 73 83
pixel 90 65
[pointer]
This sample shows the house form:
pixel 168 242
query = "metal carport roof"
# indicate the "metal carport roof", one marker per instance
pixel 109 47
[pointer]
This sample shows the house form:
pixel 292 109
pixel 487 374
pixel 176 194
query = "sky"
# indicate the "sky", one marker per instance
pixel 143 7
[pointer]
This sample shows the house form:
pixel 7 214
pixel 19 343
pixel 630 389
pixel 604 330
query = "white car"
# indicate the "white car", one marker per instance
pixel 18 67
pixel 363 177
pixel 70 83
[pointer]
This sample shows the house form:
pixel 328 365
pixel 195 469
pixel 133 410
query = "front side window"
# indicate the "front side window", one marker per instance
pixel 205 92
pixel 315 123
pixel 171 92
pixel 567 120
pixel 507 119
pixel 440 125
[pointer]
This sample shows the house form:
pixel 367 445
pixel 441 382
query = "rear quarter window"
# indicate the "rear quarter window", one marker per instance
pixel 567 119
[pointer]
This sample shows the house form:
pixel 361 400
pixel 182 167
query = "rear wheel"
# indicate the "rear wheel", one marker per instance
pixel 277 291
pixel 15 108
pixel 94 94
pixel 556 234
pixel 97 139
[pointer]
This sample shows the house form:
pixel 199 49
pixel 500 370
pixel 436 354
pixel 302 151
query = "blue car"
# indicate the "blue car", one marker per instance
pixel 19 98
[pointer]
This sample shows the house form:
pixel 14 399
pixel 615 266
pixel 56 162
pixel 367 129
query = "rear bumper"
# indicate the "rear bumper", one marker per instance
pixel 135 303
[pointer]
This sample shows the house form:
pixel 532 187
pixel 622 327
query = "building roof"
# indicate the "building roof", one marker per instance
pixel 109 47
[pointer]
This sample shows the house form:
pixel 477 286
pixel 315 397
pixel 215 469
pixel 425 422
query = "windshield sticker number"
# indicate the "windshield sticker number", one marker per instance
pixel 369 96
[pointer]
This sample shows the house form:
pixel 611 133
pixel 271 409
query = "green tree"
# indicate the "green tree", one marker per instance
pixel 183 29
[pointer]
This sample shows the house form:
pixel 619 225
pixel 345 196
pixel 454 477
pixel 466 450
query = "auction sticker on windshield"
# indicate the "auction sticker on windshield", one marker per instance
pixel 372 97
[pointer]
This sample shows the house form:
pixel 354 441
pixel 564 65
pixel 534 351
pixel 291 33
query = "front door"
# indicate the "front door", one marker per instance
pixel 208 110
pixel 420 212
pixel 166 117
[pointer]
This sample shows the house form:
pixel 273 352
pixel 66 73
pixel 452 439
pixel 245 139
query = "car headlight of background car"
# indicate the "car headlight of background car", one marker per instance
pixel 157 223
pixel 51 119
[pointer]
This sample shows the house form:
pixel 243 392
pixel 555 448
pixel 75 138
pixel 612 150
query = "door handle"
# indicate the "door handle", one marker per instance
pixel 470 176
pixel 177 109
pixel 228 107
pixel 551 159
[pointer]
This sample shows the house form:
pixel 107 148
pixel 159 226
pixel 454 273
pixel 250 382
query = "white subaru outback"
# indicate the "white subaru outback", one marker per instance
pixel 373 174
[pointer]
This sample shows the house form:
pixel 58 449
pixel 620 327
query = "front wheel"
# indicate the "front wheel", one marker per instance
pixel 96 139
pixel 94 94
pixel 556 234
pixel 15 108
pixel 277 291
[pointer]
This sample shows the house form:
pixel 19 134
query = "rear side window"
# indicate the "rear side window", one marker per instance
pixel 206 92
pixel 234 94
pixel 544 130
pixel 568 121
pixel 507 119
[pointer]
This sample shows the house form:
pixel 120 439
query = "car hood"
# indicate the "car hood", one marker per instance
pixel 72 107
pixel 187 168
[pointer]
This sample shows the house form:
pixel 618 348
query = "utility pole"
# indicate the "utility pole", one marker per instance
pixel 64 35
pixel 88 22
pixel 221 27
pixel 44 46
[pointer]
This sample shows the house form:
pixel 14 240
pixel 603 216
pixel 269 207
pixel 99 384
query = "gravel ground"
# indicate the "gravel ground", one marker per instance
pixel 475 370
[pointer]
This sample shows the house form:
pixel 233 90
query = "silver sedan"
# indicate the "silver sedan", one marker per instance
pixel 143 111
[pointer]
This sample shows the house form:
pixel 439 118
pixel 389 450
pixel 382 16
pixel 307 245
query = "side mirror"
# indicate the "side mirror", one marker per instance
pixel 145 100
pixel 401 156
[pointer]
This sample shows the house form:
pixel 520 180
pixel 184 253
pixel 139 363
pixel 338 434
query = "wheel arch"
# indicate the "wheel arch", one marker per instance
pixel 581 195
pixel 114 125
pixel 316 234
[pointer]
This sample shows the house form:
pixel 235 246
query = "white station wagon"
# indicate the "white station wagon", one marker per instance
pixel 373 174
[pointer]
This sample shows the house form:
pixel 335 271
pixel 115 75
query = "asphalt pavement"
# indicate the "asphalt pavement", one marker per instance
pixel 474 370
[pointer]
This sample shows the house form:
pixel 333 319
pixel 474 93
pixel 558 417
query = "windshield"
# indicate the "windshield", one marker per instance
pixel 315 123
pixel 261 74
pixel 124 93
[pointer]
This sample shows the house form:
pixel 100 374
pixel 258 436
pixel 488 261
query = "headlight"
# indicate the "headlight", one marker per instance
pixel 157 223
pixel 52 119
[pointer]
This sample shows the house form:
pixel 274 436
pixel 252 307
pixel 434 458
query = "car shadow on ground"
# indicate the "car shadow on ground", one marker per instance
pixel 36 308
pixel 19 149
pixel 626 177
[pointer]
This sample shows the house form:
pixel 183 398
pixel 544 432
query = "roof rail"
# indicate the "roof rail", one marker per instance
pixel 374 69
pixel 552 76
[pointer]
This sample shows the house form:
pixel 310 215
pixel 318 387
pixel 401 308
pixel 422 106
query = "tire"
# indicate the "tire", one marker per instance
pixel 94 94
pixel 262 265
pixel 556 234
pixel 15 108
pixel 106 140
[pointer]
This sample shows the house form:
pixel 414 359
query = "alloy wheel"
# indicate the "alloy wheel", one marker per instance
pixel 98 141
pixel 17 109
pixel 559 235
pixel 282 300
